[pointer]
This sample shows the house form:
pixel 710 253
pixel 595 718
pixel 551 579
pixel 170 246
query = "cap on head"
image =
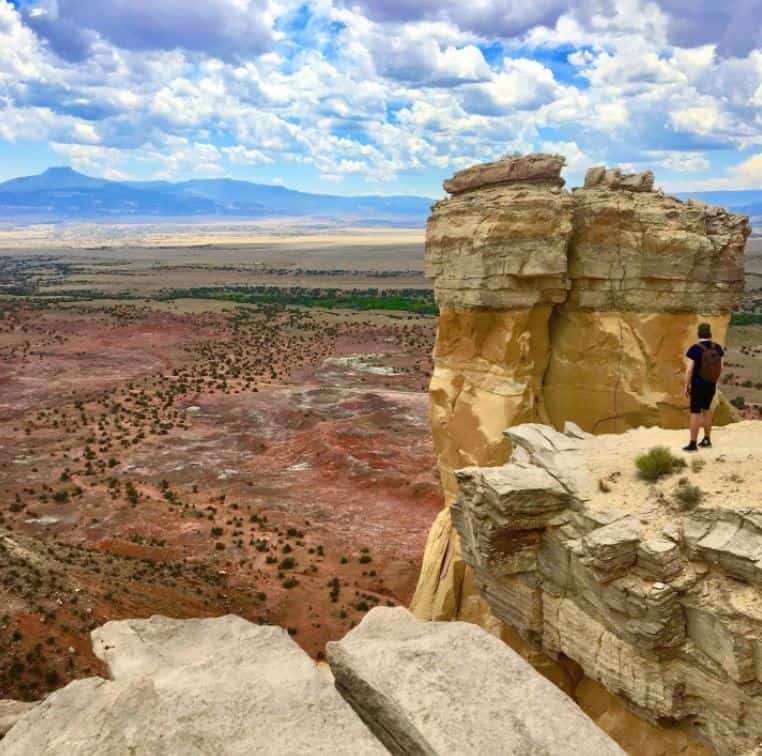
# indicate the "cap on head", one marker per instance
pixel 704 331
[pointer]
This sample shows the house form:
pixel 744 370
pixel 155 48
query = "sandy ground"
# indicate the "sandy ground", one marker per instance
pixel 725 474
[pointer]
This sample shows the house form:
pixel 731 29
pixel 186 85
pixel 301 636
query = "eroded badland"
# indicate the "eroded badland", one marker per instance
pixel 195 456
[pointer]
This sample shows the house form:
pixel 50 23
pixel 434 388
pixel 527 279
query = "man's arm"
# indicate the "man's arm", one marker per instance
pixel 689 365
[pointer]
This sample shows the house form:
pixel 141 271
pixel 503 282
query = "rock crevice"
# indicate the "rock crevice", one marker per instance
pixel 226 686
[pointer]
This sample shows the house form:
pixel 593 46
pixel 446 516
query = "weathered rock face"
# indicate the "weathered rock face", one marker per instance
pixel 211 686
pixel 653 589
pixel 559 306
pixel 452 688
pixel 226 686
pixel 11 712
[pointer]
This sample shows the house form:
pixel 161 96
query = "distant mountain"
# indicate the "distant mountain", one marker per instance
pixel 746 201
pixel 64 194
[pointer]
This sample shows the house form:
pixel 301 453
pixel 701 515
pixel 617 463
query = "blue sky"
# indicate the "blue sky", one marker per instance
pixel 381 96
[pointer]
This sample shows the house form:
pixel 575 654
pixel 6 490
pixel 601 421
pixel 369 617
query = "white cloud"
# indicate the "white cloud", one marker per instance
pixel 748 174
pixel 682 162
pixel 240 155
pixel 522 84
pixel 396 89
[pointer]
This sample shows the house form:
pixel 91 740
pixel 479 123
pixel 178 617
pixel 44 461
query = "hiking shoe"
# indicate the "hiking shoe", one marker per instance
pixel 706 443
pixel 691 447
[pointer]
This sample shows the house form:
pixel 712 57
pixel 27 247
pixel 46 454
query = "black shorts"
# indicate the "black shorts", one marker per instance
pixel 701 396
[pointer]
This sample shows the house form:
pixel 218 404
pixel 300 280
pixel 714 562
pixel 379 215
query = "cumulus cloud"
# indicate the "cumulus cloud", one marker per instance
pixel 748 174
pixel 223 28
pixel 734 27
pixel 521 85
pixel 368 93
pixel 489 18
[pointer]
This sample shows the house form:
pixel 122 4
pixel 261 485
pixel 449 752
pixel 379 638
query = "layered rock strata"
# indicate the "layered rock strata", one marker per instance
pixel 653 588
pixel 558 306
pixel 226 686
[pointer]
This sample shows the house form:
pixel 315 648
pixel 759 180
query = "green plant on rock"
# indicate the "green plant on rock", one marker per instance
pixel 687 495
pixel 658 462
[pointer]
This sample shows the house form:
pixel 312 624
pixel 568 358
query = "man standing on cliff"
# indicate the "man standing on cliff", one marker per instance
pixel 703 365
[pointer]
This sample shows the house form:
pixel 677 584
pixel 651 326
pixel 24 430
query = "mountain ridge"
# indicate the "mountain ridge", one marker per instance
pixel 61 193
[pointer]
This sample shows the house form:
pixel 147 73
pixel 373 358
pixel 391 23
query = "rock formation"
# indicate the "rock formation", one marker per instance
pixel 561 306
pixel 11 712
pixel 206 686
pixel 652 588
pixel 226 686
pixel 452 688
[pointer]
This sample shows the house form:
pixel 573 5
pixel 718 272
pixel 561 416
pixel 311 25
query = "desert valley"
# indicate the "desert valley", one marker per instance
pixel 179 438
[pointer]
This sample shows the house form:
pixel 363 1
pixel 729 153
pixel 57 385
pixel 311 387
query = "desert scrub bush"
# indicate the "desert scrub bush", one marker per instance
pixel 687 495
pixel 658 462
pixel 697 465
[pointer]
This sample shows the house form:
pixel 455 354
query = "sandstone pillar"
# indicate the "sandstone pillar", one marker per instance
pixel 559 306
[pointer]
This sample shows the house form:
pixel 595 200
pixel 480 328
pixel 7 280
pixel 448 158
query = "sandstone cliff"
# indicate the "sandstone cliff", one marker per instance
pixel 557 306
pixel 652 588
pixel 226 686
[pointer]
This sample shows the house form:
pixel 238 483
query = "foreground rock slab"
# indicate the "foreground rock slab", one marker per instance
pixel 452 688
pixel 185 687
pixel 11 712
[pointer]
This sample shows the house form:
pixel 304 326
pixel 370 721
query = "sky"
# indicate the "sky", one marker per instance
pixel 381 96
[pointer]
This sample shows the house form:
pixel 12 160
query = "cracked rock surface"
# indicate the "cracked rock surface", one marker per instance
pixel 452 688
pixel 654 594
pixel 197 686
pixel 225 686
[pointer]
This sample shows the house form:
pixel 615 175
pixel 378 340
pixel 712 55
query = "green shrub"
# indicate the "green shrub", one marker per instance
pixel 687 495
pixel 658 462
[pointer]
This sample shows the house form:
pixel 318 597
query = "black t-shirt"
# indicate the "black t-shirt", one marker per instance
pixel 695 353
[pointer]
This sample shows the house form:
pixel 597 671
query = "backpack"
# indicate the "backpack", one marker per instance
pixel 711 364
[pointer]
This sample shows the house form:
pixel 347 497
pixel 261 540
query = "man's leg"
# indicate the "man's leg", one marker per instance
pixel 696 421
pixel 707 423
pixel 696 418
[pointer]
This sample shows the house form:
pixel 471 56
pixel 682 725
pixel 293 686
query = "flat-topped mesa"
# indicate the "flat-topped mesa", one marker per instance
pixel 561 306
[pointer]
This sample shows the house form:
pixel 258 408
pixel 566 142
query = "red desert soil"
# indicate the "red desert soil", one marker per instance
pixel 269 462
